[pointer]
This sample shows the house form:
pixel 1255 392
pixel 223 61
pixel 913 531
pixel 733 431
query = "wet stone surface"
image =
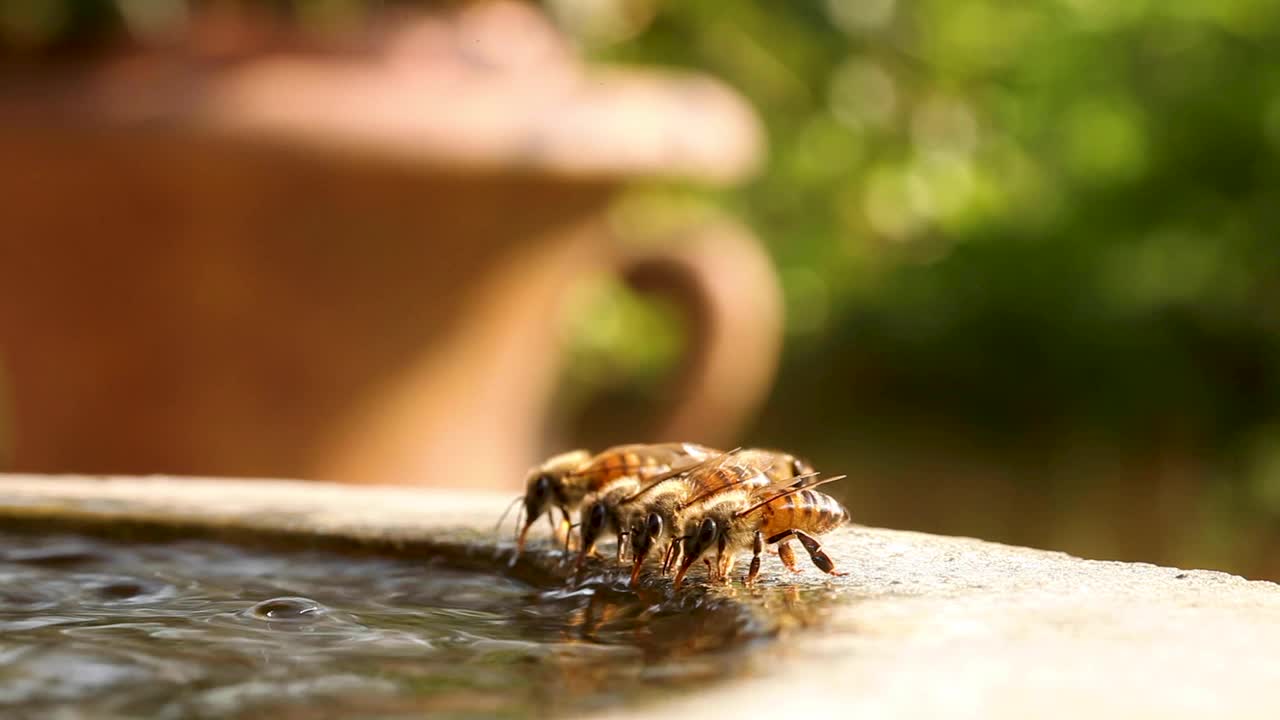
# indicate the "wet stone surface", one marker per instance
pixel 197 629
pixel 921 626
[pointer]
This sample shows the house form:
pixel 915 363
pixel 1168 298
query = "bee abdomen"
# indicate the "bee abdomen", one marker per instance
pixel 609 468
pixel 829 513
pixel 717 479
pixel 807 510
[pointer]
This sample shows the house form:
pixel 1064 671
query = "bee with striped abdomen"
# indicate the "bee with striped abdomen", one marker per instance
pixel 600 515
pixel 657 515
pixel 735 522
pixel 612 509
pixel 564 480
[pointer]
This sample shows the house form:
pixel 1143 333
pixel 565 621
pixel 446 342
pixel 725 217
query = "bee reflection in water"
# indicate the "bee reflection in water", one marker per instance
pixel 701 636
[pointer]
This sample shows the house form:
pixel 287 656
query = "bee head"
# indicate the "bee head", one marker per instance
pixel 643 537
pixel 540 494
pixel 645 533
pixel 702 539
pixel 593 519
pixel 545 487
pixel 706 535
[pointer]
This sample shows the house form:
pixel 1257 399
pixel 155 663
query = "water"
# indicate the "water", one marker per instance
pixel 196 629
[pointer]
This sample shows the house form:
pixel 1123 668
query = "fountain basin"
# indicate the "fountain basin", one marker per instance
pixel 921 626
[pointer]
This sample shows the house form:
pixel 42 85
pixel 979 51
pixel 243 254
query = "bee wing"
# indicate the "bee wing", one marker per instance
pixel 766 485
pixel 797 484
pixel 702 451
pixel 680 472
pixel 670 452
pixel 764 459
pixel 755 479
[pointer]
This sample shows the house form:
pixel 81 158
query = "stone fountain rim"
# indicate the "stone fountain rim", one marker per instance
pixel 922 626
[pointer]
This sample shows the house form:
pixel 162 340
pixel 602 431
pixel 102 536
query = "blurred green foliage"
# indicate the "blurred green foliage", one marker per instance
pixel 1024 218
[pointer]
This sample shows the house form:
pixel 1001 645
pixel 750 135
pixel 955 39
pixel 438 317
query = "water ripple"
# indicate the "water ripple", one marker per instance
pixel 202 630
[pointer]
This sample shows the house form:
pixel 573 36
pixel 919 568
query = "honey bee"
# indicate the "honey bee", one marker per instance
pixel 611 509
pixel 601 514
pixel 564 480
pixel 732 522
pixel 656 515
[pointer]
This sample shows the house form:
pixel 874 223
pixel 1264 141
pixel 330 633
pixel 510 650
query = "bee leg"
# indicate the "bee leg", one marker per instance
pixel 787 554
pixel 580 565
pixel 816 554
pixel 726 569
pixel 551 521
pixel 724 560
pixel 785 551
pixel 570 538
pixel 669 558
pixel 757 547
pixel 563 530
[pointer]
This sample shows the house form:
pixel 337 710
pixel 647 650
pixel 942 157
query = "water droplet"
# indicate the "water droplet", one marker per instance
pixel 120 590
pixel 287 609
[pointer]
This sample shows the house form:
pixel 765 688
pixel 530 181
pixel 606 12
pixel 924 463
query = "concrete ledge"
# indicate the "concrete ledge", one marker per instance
pixel 456 524
pixel 922 626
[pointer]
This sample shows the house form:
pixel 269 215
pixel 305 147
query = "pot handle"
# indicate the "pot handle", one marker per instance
pixel 726 287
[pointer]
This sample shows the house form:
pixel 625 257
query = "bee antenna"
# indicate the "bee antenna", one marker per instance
pixel 792 490
pixel 802 479
pixel 519 514
pixel 506 512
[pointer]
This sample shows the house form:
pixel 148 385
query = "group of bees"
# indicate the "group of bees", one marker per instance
pixel 672 504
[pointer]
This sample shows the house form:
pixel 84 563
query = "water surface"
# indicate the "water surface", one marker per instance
pixel 197 629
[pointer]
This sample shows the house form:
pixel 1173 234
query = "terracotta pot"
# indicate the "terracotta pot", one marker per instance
pixel 242 260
